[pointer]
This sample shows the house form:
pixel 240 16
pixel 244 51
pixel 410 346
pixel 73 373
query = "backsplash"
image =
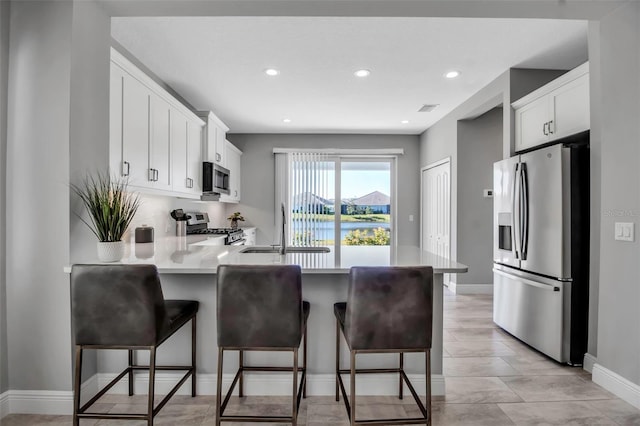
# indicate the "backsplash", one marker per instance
pixel 154 211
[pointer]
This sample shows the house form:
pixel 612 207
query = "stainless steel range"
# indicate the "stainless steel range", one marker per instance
pixel 198 223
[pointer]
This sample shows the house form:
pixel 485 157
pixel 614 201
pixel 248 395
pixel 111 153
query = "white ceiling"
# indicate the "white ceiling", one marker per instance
pixel 217 63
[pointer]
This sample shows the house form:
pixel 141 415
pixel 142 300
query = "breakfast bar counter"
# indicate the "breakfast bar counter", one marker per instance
pixel 188 266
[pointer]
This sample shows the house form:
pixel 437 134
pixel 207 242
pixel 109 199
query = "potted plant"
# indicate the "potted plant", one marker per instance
pixel 234 218
pixel 111 208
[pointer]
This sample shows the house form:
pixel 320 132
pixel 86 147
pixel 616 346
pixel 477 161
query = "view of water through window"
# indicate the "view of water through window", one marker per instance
pixel 364 205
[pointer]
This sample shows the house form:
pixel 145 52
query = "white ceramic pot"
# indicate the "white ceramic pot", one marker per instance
pixel 111 251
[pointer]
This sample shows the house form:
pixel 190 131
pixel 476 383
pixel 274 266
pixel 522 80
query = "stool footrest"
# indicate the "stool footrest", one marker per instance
pixel 405 421
pixel 82 411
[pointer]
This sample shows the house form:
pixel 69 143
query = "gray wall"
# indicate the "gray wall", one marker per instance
pixel 258 176
pixel 4 68
pixel 479 146
pixel 39 341
pixel 441 139
pixel 618 70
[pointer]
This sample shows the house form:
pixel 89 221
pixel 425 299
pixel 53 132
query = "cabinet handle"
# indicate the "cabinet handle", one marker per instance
pixel 544 129
pixel 125 163
pixel 154 175
pixel 150 175
pixel 218 157
pixel 551 127
pixel 189 183
pixel 236 194
pixel 157 173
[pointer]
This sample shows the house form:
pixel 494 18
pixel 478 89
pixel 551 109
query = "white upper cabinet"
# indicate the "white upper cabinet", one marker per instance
pixel 554 111
pixel 155 141
pixel 129 127
pixel 159 171
pixel 179 129
pixel 233 162
pixel 214 139
pixel 194 156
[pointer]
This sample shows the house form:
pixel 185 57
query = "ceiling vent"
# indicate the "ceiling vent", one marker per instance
pixel 428 108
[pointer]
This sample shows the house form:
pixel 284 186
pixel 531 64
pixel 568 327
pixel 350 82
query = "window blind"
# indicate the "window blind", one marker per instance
pixel 308 198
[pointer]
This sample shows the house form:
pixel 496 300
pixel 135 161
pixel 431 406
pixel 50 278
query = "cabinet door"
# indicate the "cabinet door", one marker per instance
pixel 232 156
pixel 194 157
pixel 135 131
pixel 220 150
pixel 160 147
pixel 115 121
pixel 532 124
pixel 571 108
pixel 179 150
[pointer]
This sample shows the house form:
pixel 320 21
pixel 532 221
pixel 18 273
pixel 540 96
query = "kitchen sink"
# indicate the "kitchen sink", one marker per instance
pixel 288 250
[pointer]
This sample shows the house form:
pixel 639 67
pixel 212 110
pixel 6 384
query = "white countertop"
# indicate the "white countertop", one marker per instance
pixel 188 255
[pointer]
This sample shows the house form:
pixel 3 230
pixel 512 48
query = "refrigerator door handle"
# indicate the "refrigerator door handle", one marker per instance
pixel 514 199
pixel 524 194
pixel 528 282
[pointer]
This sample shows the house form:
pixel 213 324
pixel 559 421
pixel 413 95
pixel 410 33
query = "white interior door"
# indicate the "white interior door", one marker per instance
pixel 435 209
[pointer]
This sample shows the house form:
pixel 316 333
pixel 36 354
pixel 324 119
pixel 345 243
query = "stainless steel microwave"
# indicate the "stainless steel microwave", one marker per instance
pixel 215 178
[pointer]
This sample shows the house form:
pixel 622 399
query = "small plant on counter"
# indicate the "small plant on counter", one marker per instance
pixel 234 218
pixel 111 209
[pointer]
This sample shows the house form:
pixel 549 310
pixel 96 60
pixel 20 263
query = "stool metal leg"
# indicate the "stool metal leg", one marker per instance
pixel 304 366
pixel 77 386
pixel 353 388
pixel 428 384
pixel 294 412
pixel 130 375
pixel 193 356
pixel 219 386
pixel 152 382
pixel 400 375
pixel 241 379
pixel 337 359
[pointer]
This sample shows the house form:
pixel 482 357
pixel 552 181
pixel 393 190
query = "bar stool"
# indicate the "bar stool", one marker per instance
pixel 388 310
pixel 122 307
pixel 260 308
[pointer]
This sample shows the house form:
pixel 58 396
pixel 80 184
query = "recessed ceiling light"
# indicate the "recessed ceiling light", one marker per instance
pixel 272 72
pixel 452 74
pixel 362 73
pixel 286 120
pixel 405 121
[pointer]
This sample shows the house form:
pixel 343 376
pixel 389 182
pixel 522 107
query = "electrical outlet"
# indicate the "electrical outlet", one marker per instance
pixel 487 193
pixel 624 231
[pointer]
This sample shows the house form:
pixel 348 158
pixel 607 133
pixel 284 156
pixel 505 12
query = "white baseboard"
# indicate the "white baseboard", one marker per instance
pixel 588 362
pixel 40 402
pixel 4 404
pixel 61 402
pixel 471 288
pixel 616 384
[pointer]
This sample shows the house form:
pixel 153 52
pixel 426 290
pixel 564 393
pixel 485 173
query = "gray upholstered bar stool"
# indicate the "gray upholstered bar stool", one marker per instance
pixel 122 307
pixel 260 308
pixel 388 310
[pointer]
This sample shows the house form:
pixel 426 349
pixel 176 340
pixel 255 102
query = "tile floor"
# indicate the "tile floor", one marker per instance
pixel 491 379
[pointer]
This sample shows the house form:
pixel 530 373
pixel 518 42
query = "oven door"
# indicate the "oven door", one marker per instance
pixel 238 242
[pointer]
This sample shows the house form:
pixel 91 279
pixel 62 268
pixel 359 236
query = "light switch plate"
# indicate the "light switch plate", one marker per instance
pixel 624 231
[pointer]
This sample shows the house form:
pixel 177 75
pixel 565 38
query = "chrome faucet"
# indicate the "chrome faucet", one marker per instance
pixel 283 240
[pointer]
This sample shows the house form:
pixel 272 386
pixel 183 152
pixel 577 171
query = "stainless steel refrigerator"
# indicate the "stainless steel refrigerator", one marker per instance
pixel 541 248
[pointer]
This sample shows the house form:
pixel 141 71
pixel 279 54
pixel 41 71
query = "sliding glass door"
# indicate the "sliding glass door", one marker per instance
pixel 340 201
